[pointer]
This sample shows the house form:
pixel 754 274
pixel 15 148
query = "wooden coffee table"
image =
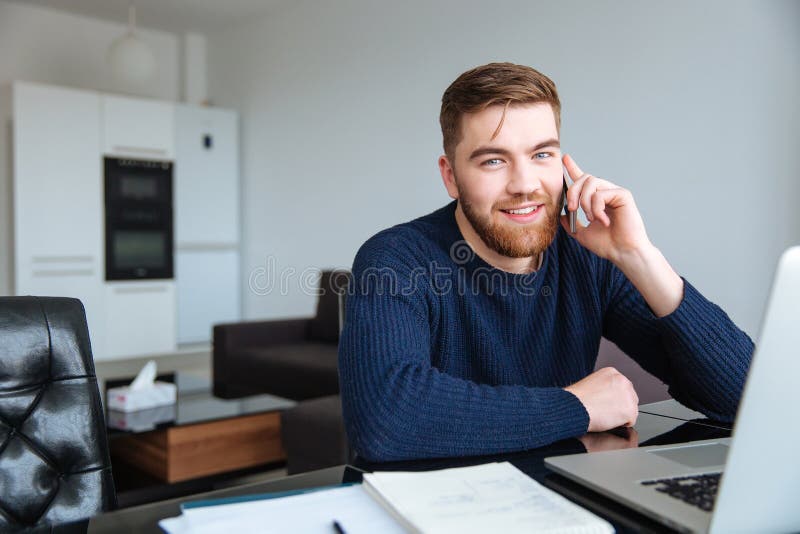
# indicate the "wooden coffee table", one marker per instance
pixel 200 435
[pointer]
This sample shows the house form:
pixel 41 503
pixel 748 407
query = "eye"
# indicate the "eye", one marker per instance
pixel 543 155
pixel 494 162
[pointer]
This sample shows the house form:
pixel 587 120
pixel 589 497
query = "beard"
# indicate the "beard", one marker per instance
pixel 510 239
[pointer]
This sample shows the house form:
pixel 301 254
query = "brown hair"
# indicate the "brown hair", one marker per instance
pixel 487 85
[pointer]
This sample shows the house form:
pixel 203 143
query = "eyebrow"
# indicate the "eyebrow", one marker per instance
pixel 482 151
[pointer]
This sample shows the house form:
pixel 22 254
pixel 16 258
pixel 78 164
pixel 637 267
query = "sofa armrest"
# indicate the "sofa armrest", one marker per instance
pixel 259 333
pixel 228 338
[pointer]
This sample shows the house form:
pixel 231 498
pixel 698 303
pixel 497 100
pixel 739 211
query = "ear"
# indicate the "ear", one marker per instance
pixel 448 176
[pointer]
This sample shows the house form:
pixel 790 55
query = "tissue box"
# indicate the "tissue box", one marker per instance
pixel 141 420
pixel 130 400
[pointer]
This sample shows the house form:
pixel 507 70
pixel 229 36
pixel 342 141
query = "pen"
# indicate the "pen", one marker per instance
pixel 338 527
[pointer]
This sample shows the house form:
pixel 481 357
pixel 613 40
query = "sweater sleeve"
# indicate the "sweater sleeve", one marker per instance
pixel 696 350
pixel 397 406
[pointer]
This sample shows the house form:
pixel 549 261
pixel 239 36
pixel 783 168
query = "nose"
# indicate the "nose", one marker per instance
pixel 523 179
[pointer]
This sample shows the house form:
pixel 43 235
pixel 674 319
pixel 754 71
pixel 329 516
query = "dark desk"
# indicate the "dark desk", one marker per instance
pixel 668 424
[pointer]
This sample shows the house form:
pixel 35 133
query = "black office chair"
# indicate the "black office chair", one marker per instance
pixel 54 461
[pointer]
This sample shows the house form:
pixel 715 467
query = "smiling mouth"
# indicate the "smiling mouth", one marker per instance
pixel 523 211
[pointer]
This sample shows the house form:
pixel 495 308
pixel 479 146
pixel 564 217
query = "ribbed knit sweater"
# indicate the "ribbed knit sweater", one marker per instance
pixel 443 355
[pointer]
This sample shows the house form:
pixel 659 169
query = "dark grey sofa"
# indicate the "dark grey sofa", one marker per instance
pixel 295 358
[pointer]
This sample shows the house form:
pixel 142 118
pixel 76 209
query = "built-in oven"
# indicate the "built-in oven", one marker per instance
pixel 138 213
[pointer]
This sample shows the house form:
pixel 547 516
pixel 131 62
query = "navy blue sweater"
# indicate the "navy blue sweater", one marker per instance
pixel 443 355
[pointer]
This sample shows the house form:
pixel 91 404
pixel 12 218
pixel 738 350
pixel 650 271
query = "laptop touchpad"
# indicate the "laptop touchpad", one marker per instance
pixel 696 455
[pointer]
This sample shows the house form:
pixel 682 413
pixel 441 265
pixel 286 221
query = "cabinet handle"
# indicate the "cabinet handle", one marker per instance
pixel 140 150
pixel 63 272
pixel 58 266
pixel 62 259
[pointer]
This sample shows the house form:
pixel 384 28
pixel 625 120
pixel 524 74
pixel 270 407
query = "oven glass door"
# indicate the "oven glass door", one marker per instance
pixel 140 250
pixel 139 228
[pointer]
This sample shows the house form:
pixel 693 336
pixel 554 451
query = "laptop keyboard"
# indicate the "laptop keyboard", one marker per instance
pixel 696 490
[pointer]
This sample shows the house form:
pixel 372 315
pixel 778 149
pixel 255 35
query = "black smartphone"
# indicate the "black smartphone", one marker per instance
pixel 573 215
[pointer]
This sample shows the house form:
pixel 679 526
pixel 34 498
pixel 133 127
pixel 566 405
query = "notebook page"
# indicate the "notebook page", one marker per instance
pixel 308 513
pixel 495 497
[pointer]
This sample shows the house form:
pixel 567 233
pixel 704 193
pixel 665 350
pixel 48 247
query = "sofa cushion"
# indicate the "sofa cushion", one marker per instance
pixel 298 371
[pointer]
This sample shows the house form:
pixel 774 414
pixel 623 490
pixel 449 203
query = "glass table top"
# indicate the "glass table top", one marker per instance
pixel 195 404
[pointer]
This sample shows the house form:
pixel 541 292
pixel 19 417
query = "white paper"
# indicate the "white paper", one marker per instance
pixel 174 525
pixel 306 513
pixel 494 497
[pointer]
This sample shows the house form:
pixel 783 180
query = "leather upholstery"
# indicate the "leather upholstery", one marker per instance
pixel 293 358
pixel 54 461
pixel 325 325
pixel 293 371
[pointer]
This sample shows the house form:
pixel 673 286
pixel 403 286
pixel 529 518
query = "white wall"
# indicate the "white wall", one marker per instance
pixel 44 45
pixel 48 46
pixel 691 105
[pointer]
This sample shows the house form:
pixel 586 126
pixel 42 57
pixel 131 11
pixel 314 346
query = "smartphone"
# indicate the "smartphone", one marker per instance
pixel 573 215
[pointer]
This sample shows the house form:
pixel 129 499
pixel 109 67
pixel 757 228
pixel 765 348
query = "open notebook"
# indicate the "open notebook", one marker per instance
pixel 495 497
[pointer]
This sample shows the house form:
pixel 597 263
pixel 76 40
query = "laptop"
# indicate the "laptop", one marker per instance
pixel 749 482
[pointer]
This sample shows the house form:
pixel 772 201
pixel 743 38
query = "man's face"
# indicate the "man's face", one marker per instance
pixel 508 187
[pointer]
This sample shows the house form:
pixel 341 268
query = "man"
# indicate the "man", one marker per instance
pixel 475 329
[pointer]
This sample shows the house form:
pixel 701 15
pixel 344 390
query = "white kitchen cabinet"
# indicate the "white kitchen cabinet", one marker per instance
pixel 206 176
pixel 58 197
pixel 140 318
pixel 138 128
pixel 206 220
pixel 60 139
pixel 207 283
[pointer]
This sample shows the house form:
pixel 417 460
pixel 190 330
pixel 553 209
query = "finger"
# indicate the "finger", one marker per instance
pixel 573 170
pixel 615 198
pixel 635 410
pixel 582 190
pixel 575 191
pixel 598 208
pixel 588 190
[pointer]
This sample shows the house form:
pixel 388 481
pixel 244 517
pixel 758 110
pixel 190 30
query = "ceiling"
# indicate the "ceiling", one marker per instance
pixel 178 16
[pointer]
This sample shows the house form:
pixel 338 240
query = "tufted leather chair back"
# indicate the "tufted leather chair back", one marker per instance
pixel 54 462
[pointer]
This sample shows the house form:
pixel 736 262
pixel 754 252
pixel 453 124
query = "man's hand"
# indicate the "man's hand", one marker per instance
pixel 616 232
pixel 615 226
pixel 609 398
